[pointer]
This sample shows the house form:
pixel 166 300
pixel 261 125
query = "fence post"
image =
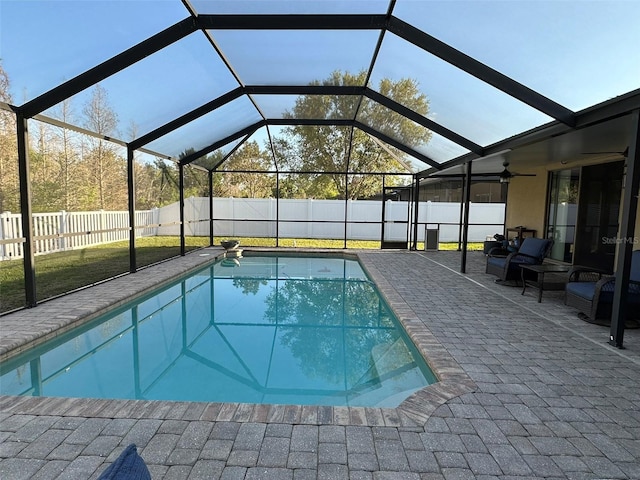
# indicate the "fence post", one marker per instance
pixel 347 218
pixel 275 229
pixel 4 217
pixel 155 211
pixel 186 215
pixel 310 225
pixel 189 216
pixel 62 229
pixel 102 225
pixel 233 216
pixel 13 229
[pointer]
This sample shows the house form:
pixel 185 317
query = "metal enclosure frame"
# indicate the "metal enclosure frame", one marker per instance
pixel 564 119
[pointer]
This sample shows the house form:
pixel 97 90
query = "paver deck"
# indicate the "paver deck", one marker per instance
pixel 528 391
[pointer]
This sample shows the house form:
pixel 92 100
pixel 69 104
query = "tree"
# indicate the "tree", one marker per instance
pixel 45 189
pixel 196 182
pixel 5 95
pixel 106 171
pixel 68 158
pixel 340 149
pixel 168 189
pixel 9 179
pixel 248 158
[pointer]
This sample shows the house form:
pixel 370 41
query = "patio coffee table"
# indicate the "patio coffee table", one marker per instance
pixel 540 271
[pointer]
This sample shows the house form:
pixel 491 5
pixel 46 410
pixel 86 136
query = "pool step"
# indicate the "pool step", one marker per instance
pixel 403 377
pixel 387 358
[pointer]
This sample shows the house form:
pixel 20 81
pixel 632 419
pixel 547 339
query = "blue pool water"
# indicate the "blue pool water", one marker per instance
pixel 277 330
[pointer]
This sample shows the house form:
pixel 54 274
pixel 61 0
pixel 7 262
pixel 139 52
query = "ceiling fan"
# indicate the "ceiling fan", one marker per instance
pixel 506 175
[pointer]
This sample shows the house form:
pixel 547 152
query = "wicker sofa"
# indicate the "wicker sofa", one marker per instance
pixel 591 292
pixel 506 265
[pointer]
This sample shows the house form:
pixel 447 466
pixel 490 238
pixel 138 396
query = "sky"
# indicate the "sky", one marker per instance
pixel 578 53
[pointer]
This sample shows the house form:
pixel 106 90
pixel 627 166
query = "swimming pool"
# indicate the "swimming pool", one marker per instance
pixel 278 330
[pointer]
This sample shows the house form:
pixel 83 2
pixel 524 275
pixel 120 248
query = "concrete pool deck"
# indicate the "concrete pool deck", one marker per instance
pixel 528 391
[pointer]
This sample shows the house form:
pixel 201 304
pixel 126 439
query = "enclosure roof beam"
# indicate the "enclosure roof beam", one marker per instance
pixel 59 123
pixel 231 152
pixel 238 92
pixel 335 122
pixel 221 143
pixel 312 122
pixel 187 117
pixel 109 67
pixel 424 121
pixel 481 71
pixel 291 21
pixel 305 89
pixel 319 122
pixel 397 144
pixel 321 172
pixel 274 157
pixel 393 154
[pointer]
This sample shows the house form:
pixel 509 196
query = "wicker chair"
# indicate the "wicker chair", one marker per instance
pixel 506 266
pixel 591 292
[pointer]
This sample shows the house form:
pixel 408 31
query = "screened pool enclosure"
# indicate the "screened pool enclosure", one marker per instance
pixel 132 132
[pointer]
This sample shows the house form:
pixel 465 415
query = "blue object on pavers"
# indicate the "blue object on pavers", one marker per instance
pixel 587 290
pixel 128 466
pixel 506 265
pixel 591 292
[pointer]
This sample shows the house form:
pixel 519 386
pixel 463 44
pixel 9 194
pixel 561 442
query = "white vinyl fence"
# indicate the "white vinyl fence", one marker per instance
pixel 307 218
pixel 61 231
pixel 246 217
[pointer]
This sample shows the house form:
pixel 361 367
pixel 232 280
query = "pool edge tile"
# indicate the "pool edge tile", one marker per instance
pixel 413 411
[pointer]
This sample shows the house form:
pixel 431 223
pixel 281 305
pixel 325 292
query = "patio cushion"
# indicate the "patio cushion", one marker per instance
pixel 506 266
pixel 534 247
pixel 587 290
pixel 525 259
pixel 497 261
pixel 128 466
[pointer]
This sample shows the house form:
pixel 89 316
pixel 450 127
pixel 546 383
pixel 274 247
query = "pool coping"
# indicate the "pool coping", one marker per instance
pixel 26 328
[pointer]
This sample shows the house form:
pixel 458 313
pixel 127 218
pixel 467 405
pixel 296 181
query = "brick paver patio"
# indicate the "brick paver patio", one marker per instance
pixel 528 391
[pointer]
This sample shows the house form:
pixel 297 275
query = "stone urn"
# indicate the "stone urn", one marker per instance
pixel 230 244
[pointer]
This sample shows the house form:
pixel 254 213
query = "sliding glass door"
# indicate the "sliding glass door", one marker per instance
pixel 563 212
pixel 598 215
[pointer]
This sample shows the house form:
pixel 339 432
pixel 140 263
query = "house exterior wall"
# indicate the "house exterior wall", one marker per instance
pixel 526 201
pixel 527 196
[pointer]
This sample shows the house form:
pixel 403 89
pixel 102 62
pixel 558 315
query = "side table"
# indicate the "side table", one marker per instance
pixel 540 271
pixel 520 233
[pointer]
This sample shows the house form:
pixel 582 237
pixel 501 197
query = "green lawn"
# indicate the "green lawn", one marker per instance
pixel 62 272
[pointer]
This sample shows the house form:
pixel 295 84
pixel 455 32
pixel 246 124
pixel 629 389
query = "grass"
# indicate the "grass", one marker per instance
pixel 63 272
